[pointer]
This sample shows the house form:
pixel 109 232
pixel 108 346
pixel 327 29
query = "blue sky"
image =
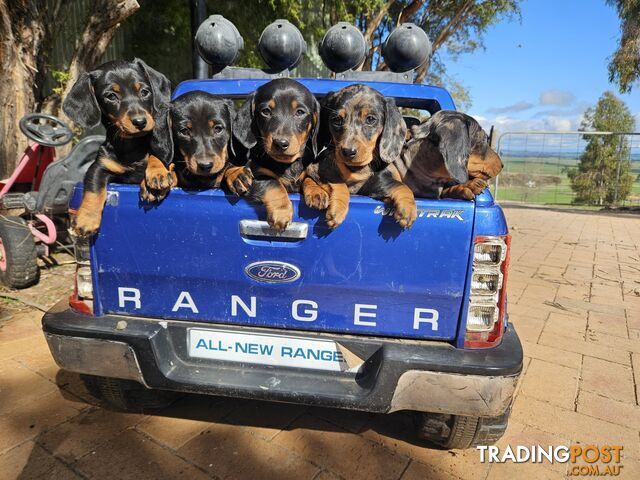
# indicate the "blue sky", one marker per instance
pixel 543 72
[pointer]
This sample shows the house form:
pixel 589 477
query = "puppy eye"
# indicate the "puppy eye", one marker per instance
pixel 371 120
pixel 218 129
pixel 337 121
pixel 145 92
pixel 300 112
pixel 266 112
pixel 111 96
pixel 184 131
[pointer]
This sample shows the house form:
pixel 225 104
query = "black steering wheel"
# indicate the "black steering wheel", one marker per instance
pixel 45 129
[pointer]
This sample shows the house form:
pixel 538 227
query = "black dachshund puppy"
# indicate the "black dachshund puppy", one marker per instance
pixel 274 125
pixel 201 130
pixel 364 133
pixel 127 98
pixel 448 156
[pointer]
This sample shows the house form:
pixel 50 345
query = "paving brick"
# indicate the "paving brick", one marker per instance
pixel 340 452
pixel 618 343
pixel 176 425
pixel 30 418
pixel 85 432
pixel 420 471
pixel 570 326
pixel 576 426
pixel 350 420
pixel 608 379
pixel 264 418
pixel 552 383
pixel 130 455
pixel 610 324
pixel 599 406
pixel 230 452
pixel 528 328
pixel 512 470
pixel 30 461
pixel 584 348
pixel 20 385
pixel 553 355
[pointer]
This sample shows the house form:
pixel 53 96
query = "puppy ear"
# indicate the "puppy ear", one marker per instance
pixel 451 135
pixel 160 85
pixel 243 127
pixel 80 104
pixel 231 119
pixel 316 127
pixel 394 132
pixel 162 136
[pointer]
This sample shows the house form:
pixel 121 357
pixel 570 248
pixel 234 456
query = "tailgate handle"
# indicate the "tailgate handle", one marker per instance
pixel 260 228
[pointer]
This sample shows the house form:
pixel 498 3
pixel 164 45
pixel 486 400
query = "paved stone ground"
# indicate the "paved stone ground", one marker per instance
pixel 574 292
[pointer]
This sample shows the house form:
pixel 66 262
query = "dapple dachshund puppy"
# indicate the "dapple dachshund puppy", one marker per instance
pixel 448 156
pixel 201 126
pixel 364 133
pixel 275 124
pixel 126 97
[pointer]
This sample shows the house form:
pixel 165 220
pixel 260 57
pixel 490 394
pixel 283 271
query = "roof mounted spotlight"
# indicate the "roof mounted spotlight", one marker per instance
pixel 281 46
pixel 342 48
pixel 406 48
pixel 218 42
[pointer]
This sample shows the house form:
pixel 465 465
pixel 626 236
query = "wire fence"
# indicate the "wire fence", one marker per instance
pixel 549 168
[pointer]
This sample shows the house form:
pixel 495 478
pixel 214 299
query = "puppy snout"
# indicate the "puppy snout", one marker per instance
pixel 281 143
pixel 205 166
pixel 139 122
pixel 349 152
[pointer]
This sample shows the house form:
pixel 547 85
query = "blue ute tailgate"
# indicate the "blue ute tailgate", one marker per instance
pixel 187 259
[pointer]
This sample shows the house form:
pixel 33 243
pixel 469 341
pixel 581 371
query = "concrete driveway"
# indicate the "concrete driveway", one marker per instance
pixel 574 293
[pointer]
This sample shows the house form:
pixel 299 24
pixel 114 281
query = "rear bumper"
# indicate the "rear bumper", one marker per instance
pixel 397 375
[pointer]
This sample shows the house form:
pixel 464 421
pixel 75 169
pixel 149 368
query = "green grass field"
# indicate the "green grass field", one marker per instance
pixel 548 194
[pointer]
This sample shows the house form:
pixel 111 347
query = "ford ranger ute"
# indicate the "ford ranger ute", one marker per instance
pixel 199 295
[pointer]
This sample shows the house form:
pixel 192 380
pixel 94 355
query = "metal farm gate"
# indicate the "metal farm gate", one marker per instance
pixel 543 168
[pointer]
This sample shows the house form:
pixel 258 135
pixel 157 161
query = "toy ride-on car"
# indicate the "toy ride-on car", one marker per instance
pixel 34 199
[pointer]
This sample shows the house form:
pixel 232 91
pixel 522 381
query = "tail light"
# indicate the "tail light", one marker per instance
pixel 487 297
pixel 81 300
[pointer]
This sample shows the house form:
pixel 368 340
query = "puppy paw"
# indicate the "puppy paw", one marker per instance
pixel 336 213
pixel 280 218
pixel 239 180
pixel 158 177
pixel 86 224
pixel 476 185
pixel 406 213
pixel 316 197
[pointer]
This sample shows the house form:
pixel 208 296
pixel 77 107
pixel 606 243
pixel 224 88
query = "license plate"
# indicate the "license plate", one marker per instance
pixel 273 350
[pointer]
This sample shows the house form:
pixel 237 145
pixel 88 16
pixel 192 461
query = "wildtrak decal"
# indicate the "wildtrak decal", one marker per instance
pixel 423 212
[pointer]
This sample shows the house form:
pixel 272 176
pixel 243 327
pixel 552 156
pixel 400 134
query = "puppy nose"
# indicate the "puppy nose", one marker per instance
pixel 281 143
pixel 349 152
pixel 139 122
pixel 205 166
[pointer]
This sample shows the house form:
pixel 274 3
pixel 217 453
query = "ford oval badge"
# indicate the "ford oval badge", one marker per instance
pixel 272 272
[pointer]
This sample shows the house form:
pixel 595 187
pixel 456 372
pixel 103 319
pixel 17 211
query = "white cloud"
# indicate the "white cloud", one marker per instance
pixel 516 107
pixel 556 97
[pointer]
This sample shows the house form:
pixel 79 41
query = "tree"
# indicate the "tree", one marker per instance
pixel 603 176
pixel 624 67
pixel 27 28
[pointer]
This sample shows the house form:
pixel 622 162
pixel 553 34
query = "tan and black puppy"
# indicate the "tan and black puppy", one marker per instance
pixel 364 133
pixel 278 124
pixel 201 127
pixel 126 97
pixel 448 156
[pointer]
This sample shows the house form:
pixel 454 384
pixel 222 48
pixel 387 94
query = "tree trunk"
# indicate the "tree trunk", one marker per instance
pixel 22 32
pixel 98 32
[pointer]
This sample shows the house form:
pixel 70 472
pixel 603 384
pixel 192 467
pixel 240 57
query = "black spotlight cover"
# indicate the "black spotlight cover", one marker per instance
pixel 218 41
pixel 342 47
pixel 406 48
pixel 281 45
